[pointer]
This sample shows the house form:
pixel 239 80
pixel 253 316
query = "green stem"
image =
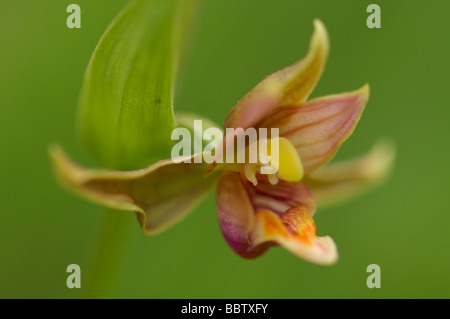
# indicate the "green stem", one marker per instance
pixel 108 252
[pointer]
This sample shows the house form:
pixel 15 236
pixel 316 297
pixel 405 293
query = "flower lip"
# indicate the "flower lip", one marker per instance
pixel 295 230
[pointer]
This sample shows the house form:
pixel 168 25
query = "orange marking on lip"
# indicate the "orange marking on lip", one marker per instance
pixel 272 225
pixel 296 223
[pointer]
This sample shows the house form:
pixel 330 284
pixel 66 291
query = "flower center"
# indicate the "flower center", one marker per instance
pixel 277 158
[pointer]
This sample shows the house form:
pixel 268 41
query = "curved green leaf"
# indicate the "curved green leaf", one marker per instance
pixel 125 110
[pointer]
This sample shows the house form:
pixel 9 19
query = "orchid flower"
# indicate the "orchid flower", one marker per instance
pixel 255 211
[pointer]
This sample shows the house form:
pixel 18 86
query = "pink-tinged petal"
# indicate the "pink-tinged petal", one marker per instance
pixel 235 212
pixel 295 230
pixel 338 182
pixel 291 85
pixel 319 127
pixel 160 195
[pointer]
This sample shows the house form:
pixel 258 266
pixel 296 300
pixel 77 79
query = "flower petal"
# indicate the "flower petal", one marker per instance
pixel 235 212
pixel 295 230
pixel 341 181
pixel 160 194
pixel 319 127
pixel 291 85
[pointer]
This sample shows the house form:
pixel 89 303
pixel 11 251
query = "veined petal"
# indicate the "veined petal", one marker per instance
pixel 291 85
pixel 280 197
pixel 295 230
pixel 341 181
pixel 160 194
pixel 319 127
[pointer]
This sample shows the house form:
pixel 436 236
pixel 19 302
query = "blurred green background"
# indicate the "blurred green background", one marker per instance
pixel 402 226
